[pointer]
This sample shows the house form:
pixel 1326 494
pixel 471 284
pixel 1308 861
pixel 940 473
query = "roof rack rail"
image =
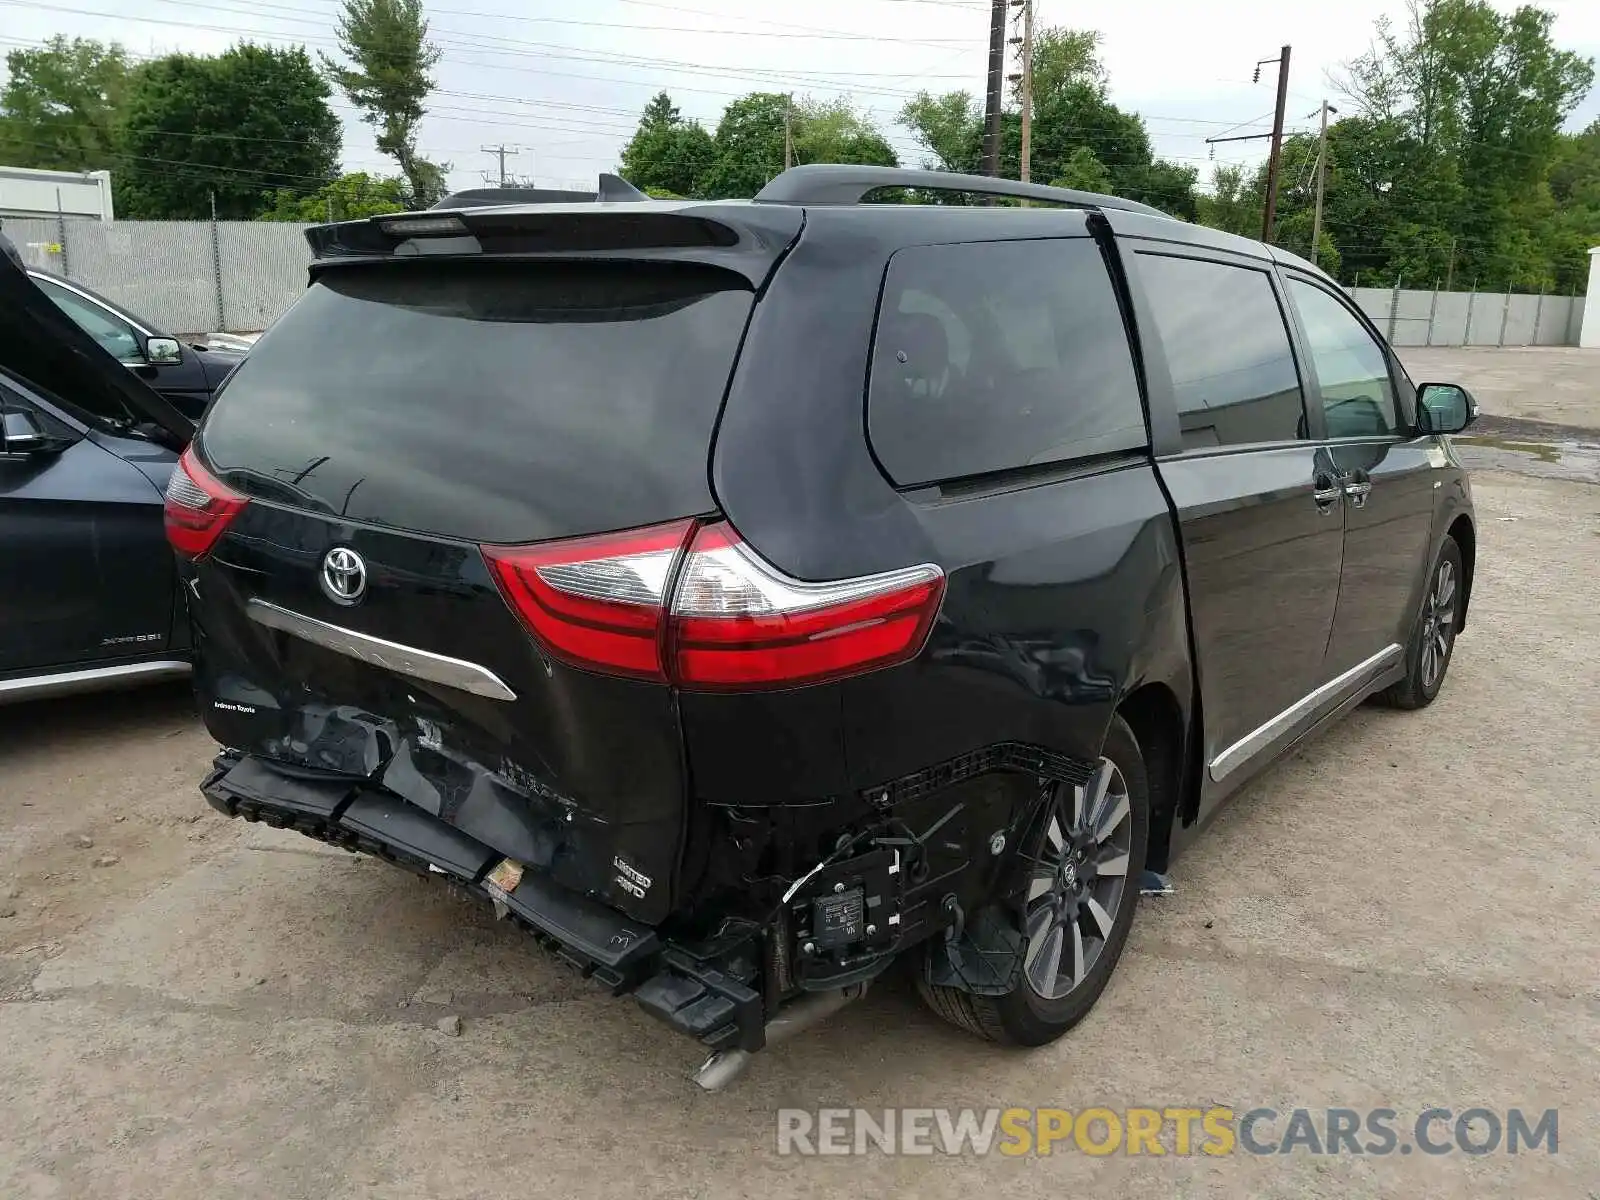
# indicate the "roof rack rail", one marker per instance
pixel 842 183
pixel 612 189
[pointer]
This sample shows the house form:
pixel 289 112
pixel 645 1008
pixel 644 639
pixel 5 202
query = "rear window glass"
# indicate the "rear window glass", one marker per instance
pixel 995 355
pixel 1228 350
pixel 494 401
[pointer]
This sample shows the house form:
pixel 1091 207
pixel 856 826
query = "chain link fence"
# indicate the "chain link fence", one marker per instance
pixel 182 277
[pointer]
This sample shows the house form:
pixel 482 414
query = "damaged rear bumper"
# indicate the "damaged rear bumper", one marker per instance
pixel 712 992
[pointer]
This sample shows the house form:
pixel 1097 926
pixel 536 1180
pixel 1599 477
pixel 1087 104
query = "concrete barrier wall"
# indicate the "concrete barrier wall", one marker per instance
pixel 1426 318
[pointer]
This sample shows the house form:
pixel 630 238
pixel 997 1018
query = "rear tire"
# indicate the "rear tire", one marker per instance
pixel 1075 921
pixel 1433 636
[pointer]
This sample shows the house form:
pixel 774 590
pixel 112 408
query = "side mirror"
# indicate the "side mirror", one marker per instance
pixel 23 433
pixel 160 351
pixel 1445 408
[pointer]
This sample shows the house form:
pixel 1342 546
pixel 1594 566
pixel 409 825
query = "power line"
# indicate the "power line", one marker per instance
pixel 788 76
pixel 810 33
pixel 481 43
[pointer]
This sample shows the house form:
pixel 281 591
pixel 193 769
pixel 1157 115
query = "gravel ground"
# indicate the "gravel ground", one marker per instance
pixel 1400 915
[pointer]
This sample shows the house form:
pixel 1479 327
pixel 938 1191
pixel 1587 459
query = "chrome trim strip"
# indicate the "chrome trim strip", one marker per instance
pixel 89 679
pixel 392 656
pixel 1252 743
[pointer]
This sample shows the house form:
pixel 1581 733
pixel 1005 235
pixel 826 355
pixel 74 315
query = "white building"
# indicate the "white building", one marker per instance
pixel 29 192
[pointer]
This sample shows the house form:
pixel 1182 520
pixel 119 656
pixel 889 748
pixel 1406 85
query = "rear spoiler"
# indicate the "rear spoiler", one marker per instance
pixel 613 189
pixel 744 238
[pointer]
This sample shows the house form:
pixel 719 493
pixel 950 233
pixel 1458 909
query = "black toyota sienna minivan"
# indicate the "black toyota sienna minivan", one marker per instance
pixel 743 596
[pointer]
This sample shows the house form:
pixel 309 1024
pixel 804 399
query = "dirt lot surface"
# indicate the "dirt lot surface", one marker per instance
pixel 1403 915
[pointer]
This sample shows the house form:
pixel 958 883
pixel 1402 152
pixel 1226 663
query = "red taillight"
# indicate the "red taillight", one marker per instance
pixel 734 622
pixel 738 622
pixel 595 602
pixel 198 507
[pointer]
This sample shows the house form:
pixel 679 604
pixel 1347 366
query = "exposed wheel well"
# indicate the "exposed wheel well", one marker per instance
pixel 1156 718
pixel 1466 537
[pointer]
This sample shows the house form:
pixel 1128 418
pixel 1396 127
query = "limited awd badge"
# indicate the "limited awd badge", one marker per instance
pixel 344 575
pixel 630 879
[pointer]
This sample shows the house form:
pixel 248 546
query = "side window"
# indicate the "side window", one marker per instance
pixel 956 336
pixel 114 334
pixel 15 401
pixel 996 355
pixel 1357 393
pixel 1228 349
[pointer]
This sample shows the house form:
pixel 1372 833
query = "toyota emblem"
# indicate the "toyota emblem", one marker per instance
pixel 344 575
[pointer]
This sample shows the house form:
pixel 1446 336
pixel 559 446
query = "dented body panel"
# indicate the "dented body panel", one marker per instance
pixel 579 776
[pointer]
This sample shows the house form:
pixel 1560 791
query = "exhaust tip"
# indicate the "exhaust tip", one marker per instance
pixel 725 1066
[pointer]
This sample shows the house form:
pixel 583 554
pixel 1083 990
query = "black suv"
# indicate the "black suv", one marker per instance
pixel 741 596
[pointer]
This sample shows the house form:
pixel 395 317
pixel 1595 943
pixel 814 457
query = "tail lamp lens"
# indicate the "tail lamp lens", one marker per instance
pixel 738 622
pixel 198 507
pixel 733 621
pixel 596 602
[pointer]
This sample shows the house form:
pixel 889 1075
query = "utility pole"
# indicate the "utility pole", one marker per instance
pixel 997 66
pixel 1024 79
pixel 1270 208
pixel 1269 211
pixel 500 152
pixel 1322 178
pixel 788 133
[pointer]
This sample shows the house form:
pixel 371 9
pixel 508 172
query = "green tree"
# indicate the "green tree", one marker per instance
pixel 667 153
pixel 388 77
pixel 62 103
pixel 749 141
pixel 1232 203
pixel 1061 58
pixel 833 132
pixel 1461 111
pixel 1575 168
pixel 252 120
pixel 1565 213
pixel 949 127
pixel 1083 171
pixel 1072 114
pixel 347 198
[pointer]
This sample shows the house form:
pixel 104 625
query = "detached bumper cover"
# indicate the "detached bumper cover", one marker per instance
pixel 678 984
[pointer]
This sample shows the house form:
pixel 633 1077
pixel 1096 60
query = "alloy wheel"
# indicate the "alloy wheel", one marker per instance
pixel 1078 882
pixel 1438 624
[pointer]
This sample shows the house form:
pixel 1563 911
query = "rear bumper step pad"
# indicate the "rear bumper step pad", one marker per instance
pixel 602 943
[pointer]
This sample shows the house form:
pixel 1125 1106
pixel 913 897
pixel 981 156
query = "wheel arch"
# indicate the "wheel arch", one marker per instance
pixel 1156 716
pixel 1466 537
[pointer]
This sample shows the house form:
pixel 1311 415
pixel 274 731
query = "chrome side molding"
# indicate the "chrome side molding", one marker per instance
pixel 89 679
pixel 1252 743
pixel 392 656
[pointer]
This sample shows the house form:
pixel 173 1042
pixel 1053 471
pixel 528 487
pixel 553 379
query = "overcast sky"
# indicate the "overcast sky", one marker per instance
pixel 564 83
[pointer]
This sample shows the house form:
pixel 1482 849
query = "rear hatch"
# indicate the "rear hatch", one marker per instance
pixel 414 421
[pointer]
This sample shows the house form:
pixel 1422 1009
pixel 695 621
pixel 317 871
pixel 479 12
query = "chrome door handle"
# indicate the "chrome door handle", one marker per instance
pixel 1326 492
pixel 1358 492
